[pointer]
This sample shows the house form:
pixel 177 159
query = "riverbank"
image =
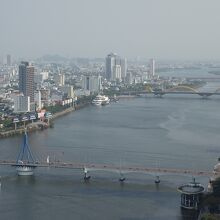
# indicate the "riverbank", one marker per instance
pixel 70 109
pixel 64 112
pixel 127 96
pixel 39 125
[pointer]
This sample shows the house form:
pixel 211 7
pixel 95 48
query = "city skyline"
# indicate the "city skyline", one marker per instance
pixel 164 30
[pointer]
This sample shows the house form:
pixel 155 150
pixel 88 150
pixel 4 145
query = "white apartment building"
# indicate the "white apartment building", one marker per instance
pixel 21 104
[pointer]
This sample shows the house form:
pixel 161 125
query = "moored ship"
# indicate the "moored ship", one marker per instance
pixel 101 100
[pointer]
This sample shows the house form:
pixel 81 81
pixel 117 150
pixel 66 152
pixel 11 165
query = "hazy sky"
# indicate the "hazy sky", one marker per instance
pixel 164 29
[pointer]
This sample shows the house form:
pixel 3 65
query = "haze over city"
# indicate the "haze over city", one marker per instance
pixel 161 29
pixel 109 109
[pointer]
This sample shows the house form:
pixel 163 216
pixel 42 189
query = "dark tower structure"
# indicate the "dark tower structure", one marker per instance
pixel 26 80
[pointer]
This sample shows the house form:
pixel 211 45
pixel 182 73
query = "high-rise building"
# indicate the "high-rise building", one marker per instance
pixel 92 83
pixel 123 68
pixel 8 60
pixel 109 65
pixel 152 68
pixel 116 76
pixel 116 67
pixel 26 80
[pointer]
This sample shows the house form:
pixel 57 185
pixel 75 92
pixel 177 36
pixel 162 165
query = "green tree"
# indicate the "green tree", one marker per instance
pixel 7 123
pixel 210 217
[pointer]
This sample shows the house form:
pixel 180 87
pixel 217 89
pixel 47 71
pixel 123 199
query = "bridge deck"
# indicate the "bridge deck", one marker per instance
pixel 113 168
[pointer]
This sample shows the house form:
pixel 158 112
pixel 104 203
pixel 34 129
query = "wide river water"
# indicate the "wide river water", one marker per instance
pixel 173 131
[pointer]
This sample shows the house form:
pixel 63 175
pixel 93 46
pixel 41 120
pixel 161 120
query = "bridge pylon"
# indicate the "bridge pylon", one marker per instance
pixel 157 180
pixel 122 177
pixel 86 175
pixel 25 162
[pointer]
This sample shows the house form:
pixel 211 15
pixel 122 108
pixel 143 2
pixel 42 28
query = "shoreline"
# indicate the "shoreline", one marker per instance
pixel 39 125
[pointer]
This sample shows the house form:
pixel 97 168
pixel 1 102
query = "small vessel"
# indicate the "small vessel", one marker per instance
pixel 97 100
pixel 101 100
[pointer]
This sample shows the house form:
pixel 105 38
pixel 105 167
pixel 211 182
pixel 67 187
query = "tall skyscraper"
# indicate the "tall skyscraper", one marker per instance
pixel 152 67
pixel 109 65
pixel 116 67
pixel 26 80
pixel 123 68
pixel 8 60
pixel 92 83
pixel 116 76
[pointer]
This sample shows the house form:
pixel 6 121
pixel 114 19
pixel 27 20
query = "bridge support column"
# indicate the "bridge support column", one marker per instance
pixel 86 175
pixel 157 180
pixel 25 161
pixel 122 178
pixel 25 170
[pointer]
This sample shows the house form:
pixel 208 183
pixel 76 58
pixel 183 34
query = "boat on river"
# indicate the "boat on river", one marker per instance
pixel 101 100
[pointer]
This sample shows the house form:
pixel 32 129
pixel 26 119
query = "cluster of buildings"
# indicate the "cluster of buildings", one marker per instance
pixel 117 73
pixel 30 86
pixel 115 68
pixel 34 94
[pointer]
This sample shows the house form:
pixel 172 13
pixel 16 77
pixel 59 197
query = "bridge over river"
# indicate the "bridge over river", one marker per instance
pixel 109 168
pixel 26 163
pixel 176 90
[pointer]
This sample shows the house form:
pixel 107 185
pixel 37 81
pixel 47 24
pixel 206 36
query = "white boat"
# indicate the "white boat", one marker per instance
pixel 101 100
pixel 97 100
pixel 105 100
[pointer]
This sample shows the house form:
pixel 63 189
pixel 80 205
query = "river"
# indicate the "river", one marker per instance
pixel 174 131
